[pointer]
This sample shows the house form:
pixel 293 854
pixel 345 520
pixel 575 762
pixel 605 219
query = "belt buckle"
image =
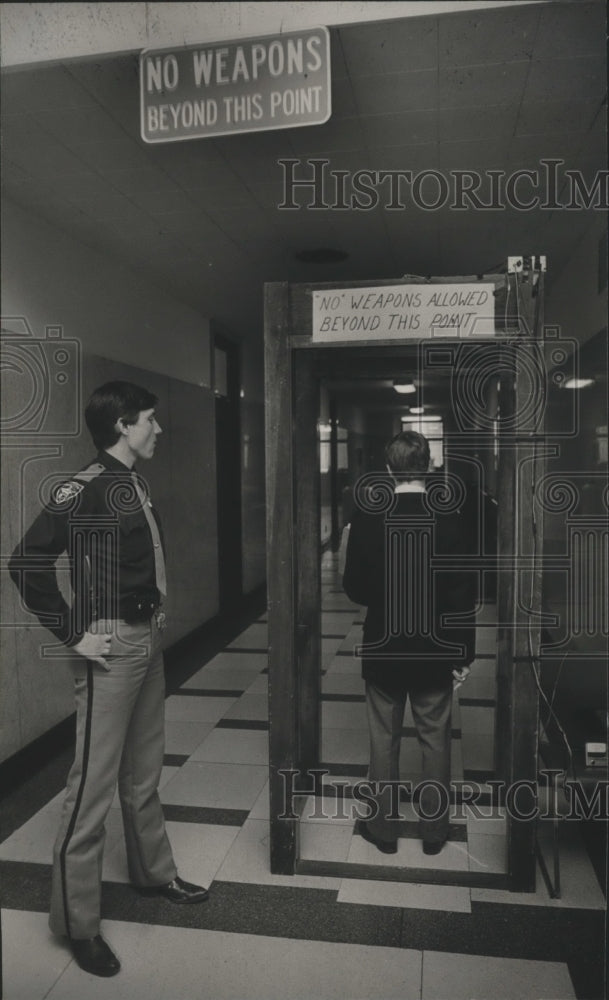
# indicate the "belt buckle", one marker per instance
pixel 160 619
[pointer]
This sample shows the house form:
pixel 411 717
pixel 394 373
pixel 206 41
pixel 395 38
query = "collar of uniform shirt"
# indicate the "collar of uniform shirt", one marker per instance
pixel 416 486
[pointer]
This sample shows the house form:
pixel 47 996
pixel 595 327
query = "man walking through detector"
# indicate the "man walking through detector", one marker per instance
pixel 103 518
pixel 405 563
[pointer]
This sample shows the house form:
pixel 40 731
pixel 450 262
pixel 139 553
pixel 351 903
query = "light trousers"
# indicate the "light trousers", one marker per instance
pixel 431 711
pixel 120 739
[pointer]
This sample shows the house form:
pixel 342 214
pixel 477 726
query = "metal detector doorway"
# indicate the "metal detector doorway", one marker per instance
pixel 490 365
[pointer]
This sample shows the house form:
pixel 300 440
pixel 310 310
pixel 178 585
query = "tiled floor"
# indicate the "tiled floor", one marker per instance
pixel 306 936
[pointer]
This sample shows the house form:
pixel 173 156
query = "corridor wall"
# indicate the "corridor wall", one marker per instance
pixel 126 329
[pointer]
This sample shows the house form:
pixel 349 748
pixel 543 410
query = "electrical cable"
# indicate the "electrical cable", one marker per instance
pixel 535 658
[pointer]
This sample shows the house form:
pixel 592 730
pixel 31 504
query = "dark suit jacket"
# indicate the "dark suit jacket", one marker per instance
pixel 407 567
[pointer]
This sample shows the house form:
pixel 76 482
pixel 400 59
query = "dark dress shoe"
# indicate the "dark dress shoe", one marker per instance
pixel 386 846
pixel 433 846
pixel 94 956
pixel 180 891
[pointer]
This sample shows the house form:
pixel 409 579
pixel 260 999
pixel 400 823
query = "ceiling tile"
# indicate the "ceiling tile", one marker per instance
pixel 269 194
pixel 256 144
pixel 343 135
pixel 594 143
pixel 411 225
pixel 114 83
pixel 390 46
pixel 411 128
pixel 569 30
pixel 240 224
pixel 57 161
pixel 338 68
pixel 76 125
pixel 500 35
pixel 191 152
pixel 343 101
pixel 193 175
pixel 413 158
pixel 159 206
pixel 22 136
pixel 539 117
pixel 580 79
pixel 230 195
pixel 207 240
pixel 339 160
pixel 106 155
pixel 530 149
pixel 472 86
pixel 306 229
pixel 141 179
pixel 81 188
pixel 484 154
pixel 149 205
pixel 377 95
pixel 43 89
pixel 194 225
pixel 107 204
pixel 489 122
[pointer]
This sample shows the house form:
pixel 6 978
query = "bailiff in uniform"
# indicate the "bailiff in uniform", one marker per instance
pixel 104 520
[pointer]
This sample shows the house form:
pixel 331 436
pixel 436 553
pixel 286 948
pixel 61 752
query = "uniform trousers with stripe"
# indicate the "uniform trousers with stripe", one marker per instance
pixel 431 710
pixel 120 738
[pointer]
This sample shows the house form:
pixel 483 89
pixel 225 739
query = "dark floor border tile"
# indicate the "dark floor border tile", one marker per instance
pixel 471 774
pixel 346 770
pixel 279 911
pixel 210 692
pixel 344 697
pixel 408 829
pixel 242 649
pixel 235 907
pixel 174 759
pixel 411 731
pixel 331 791
pixel 503 930
pixel 242 724
pixel 205 814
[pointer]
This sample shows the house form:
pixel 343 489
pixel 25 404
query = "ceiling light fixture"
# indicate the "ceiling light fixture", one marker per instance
pixel 405 386
pixel 417 410
pixel 577 383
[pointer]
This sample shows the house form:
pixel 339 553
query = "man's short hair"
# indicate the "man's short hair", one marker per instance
pixel 408 453
pixel 111 402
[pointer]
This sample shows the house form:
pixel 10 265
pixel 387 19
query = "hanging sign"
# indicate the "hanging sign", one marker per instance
pixel 250 85
pixel 403 312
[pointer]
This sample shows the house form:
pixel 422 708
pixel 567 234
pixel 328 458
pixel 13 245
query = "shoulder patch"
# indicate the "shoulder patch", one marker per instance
pixel 91 472
pixel 67 491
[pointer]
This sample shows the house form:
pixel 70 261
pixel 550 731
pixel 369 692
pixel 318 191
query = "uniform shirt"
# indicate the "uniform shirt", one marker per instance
pixel 96 518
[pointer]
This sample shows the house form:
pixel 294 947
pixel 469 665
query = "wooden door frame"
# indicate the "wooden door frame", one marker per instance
pixel 294 588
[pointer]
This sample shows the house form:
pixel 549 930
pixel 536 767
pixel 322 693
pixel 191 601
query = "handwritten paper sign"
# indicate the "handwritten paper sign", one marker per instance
pixel 250 85
pixel 388 312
